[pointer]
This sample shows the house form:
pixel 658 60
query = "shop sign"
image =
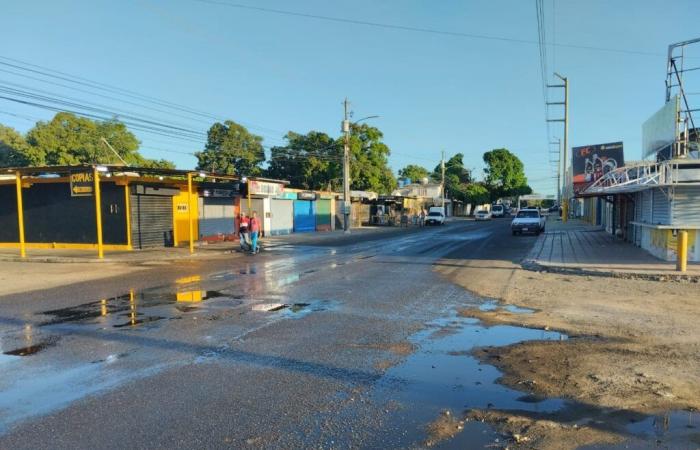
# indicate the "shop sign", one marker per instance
pixel 218 193
pixel 82 184
pixel 264 188
pixel 306 195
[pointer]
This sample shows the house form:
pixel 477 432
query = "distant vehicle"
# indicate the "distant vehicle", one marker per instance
pixel 554 208
pixel 439 209
pixel 435 217
pixel 482 214
pixel 528 221
pixel 498 211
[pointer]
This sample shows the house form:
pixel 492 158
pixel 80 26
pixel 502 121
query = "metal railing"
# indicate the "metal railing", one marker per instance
pixel 642 174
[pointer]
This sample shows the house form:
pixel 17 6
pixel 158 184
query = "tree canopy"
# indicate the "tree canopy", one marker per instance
pixel 231 149
pixel 68 139
pixel 369 160
pixel 308 161
pixel 414 172
pixel 505 174
pixel 457 177
pixel 13 148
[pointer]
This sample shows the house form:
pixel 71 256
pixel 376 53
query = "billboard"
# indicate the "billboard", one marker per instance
pixel 659 131
pixel 591 162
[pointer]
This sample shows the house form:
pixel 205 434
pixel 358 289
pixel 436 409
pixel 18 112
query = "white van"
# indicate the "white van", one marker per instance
pixel 498 210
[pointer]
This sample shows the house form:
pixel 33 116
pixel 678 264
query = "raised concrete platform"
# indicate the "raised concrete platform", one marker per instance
pixel 576 247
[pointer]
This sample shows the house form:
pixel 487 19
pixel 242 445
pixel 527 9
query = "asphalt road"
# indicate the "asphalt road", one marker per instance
pixel 184 355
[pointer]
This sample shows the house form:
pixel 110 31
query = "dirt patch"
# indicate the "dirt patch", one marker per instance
pixel 635 344
pixel 540 433
pixel 446 426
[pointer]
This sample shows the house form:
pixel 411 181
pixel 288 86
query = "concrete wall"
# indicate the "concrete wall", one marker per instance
pixel 663 244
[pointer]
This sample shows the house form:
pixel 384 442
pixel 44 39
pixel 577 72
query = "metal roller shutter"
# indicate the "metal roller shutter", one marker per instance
pixel 686 205
pixel 662 208
pixel 304 216
pixel 323 215
pixel 151 220
pixel 282 219
pixel 216 217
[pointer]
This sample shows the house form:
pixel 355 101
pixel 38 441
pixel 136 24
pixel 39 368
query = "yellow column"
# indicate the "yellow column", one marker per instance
pixel 127 206
pixel 682 251
pixel 98 213
pixel 189 211
pixel 20 215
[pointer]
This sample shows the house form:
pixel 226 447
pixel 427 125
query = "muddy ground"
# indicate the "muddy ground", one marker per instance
pixel 634 349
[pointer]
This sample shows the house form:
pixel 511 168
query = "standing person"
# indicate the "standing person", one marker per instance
pixel 243 230
pixel 254 232
pixel 422 216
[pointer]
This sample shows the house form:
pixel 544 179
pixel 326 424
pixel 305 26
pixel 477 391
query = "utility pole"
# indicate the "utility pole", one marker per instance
pixel 565 103
pixel 346 169
pixel 558 142
pixel 442 168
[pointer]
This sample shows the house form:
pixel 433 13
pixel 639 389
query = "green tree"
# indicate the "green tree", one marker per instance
pixel 69 139
pixel 476 194
pixel 414 173
pixel 14 149
pixel 231 149
pixel 308 161
pixel 505 174
pixel 456 176
pixel 369 160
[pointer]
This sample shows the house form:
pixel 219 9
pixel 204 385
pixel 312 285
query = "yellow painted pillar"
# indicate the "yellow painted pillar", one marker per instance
pixel 98 213
pixel 127 207
pixel 20 215
pixel 189 211
pixel 682 251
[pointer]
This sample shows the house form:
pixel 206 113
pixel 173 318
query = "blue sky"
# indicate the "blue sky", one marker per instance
pixel 433 92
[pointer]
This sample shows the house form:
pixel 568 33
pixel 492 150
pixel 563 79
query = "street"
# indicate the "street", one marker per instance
pixel 139 361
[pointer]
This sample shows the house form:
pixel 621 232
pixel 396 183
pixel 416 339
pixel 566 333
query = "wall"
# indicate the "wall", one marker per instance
pixel 663 244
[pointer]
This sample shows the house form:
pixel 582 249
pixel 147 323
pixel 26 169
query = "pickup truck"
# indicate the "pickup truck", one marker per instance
pixel 528 221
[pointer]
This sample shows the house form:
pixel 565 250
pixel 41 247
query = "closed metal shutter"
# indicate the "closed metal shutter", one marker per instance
pixel 646 206
pixel 323 215
pixel 256 204
pixel 282 220
pixel 661 208
pixel 304 216
pixel 151 220
pixel 216 217
pixel 686 206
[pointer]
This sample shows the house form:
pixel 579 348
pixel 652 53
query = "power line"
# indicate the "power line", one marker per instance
pixel 421 29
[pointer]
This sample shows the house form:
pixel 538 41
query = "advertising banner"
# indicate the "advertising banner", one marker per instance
pixel 659 131
pixel 592 162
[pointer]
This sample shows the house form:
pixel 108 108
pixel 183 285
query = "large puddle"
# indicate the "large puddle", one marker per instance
pixel 443 380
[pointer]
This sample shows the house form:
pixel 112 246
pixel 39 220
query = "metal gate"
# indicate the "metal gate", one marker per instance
pixel 323 215
pixel 151 220
pixel 282 219
pixel 304 216
pixel 216 217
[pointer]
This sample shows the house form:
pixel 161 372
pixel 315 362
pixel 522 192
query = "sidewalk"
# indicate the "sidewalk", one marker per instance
pixel 202 251
pixel 576 247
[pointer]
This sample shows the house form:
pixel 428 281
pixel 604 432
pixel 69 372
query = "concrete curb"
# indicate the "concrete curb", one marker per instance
pixel 534 266
pixel 107 260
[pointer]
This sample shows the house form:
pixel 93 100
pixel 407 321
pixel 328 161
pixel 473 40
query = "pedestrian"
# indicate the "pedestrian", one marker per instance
pixel 243 231
pixel 254 232
pixel 422 217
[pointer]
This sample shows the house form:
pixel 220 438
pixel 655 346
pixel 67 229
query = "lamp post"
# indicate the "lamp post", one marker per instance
pixel 346 165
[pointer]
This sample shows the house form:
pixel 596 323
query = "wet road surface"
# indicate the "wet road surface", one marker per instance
pixel 348 344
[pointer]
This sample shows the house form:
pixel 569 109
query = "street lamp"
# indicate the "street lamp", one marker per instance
pixel 346 166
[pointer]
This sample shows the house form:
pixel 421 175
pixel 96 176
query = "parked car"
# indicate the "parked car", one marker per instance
pixel 482 214
pixel 498 211
pixel 528 221
pixel 435 217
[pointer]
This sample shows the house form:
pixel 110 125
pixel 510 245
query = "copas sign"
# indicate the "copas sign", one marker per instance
pixel 82 184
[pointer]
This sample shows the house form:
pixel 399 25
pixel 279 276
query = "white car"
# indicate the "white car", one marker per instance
pixel 528 221
pixel 482 214
pixel 435 218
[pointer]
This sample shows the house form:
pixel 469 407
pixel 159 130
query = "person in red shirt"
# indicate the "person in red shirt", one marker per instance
pixel 254 232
